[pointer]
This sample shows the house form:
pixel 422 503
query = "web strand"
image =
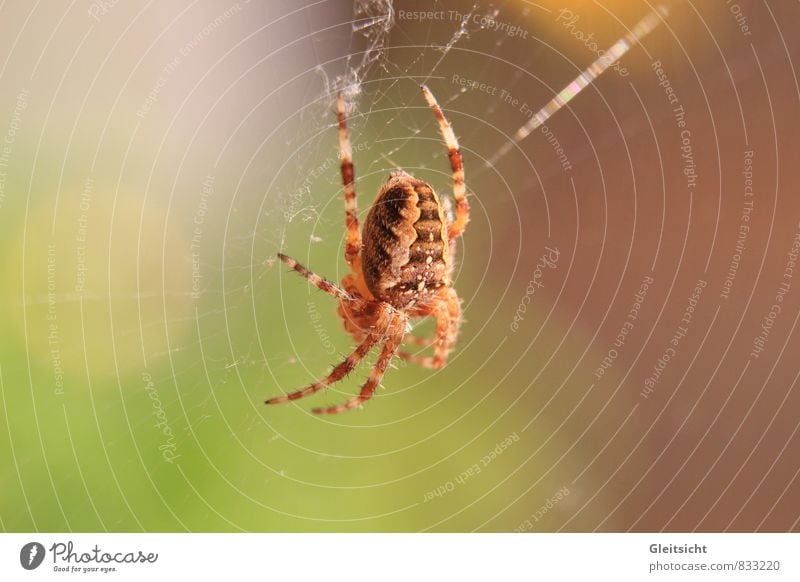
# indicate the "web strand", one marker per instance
pixel 644 27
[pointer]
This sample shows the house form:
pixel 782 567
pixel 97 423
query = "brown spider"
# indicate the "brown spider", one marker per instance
pixel 402 269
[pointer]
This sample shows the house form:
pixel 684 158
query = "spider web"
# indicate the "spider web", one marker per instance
pixel 376 60
pixel 159 155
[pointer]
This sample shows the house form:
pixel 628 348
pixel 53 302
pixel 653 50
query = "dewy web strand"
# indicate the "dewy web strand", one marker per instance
pixel 644 27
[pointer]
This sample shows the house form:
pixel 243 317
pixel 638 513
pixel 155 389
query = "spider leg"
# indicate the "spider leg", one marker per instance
pixel 395 337
pixel 382 322
pixel 422 361
pixel 448 322
pixel 415 340
pixel 455 228
pixel 353 236
pixel 329 287
pixel 451 305
pixel 339 372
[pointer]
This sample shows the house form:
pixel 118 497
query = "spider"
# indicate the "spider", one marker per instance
pixel 401 268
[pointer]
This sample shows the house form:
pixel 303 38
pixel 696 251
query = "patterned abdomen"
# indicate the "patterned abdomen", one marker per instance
pixel 405 246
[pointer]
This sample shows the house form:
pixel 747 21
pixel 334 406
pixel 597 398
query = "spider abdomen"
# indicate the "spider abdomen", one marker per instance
pixel 405 244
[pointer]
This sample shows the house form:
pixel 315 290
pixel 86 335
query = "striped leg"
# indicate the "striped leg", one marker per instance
pixel 456 228
pixel 323 284
pixel 421 361
pixel 337 374
pixel 450 306
pixel 353 236
pixel 448 314
pixel 395 338
pixel 382 321
pixel 415 340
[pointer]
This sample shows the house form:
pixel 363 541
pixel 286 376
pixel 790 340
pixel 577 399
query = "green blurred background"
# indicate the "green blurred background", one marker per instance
pixel 157 156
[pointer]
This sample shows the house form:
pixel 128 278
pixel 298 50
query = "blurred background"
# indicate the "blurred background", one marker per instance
pixel 628 358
